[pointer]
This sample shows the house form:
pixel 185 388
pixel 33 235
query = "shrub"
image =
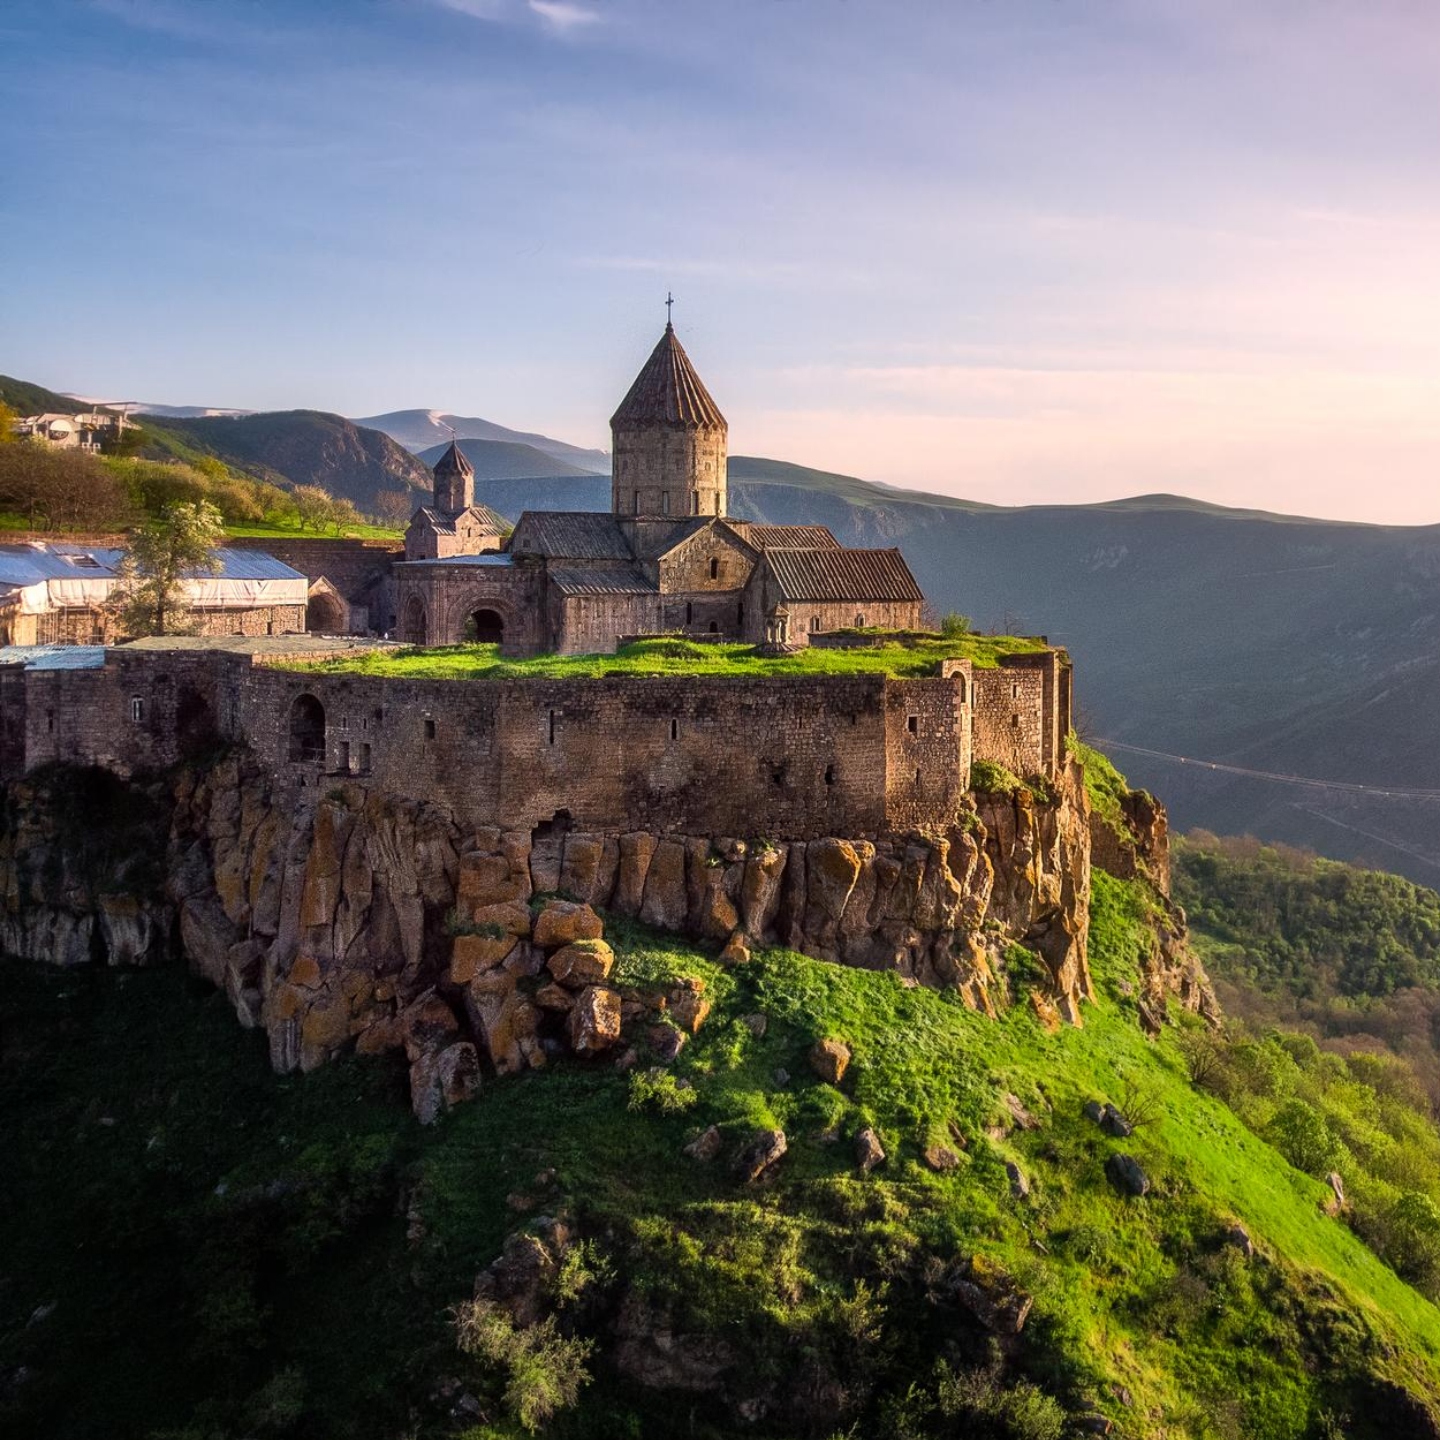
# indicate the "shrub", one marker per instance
pixel 954 625
pixel 544 1370
pixel 992 779
pixel 657 1089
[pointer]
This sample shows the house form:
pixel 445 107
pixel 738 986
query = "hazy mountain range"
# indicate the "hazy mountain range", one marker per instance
pixel 419 430
pixel 1264 642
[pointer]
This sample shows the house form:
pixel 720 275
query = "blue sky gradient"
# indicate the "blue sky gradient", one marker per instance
pixel 1027 251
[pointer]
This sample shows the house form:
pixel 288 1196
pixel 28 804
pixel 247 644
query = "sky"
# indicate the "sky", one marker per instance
pixel 1020 251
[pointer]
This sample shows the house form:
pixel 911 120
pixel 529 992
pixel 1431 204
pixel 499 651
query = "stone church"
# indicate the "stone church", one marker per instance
pixel 666 560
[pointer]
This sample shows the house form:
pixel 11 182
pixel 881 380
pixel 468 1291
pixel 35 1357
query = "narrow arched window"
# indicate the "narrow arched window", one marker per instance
pixel 714 569
pixel 689 613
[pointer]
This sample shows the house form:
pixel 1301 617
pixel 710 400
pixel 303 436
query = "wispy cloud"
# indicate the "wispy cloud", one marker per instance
pixel 564 15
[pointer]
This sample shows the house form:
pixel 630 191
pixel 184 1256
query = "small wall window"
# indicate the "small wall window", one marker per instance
pixel 344 722
pixel 664 502
pixel 714 627
pixel 345 755
pixel 1015 691
pixel 50 722
pixel 859 621
pixel 137 708
pixel 365 757
pixel 689 612
pixel 814 624
pixel 552 728
pixel 717 502
pixel 695 502
pixel 829 774
pixel 912 724
pixel 674 729
pixel 714 569
pixel 740 614
pixel 1014 722
pixel 635 502
pixel 429 729
pixel 917 776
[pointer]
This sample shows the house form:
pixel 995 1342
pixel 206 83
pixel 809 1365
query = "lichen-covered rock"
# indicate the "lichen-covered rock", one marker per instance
pixel 993 1296
pixel 706 1145
pixel 562 922
pixel 593 1024
pixel 688 1007
pixel 440 1080
pixel 666 904
pixel 829 1059
pixel 509 917
pixel 472 954
pixel 582 963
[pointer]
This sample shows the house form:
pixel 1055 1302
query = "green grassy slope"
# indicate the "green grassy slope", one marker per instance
pixel 226 1253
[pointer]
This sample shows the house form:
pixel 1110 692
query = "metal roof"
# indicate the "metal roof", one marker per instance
pixel 842 575
pixel 667 391
pixel 31 564
pixel 577 580
pixel 54 657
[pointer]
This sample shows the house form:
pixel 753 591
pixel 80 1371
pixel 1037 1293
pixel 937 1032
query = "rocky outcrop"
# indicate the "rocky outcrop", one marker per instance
pixel 351 917
pixel 1140 847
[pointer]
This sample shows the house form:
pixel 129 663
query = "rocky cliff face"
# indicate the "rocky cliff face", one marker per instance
pixel 354 917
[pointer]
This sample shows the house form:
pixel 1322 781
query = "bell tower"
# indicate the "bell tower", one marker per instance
pixel 668 441
pixel 454 482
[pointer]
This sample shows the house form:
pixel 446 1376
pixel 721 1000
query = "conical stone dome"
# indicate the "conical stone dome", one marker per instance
pixel 667 391
pixel 669 440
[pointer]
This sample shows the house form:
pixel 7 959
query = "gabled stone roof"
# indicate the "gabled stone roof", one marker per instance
pixel 788 537
pixel 454 460
pixel 581 580
pixel 838 574
pixel 570 535
pixel 431 518
pixel 667 391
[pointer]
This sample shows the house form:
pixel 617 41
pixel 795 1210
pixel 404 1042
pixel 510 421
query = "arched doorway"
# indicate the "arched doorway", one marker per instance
pixel 324 614
pixel 412 621
pixel 484 627
pixel 307 730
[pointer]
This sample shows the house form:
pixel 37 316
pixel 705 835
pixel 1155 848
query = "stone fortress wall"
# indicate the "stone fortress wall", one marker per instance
pixel 784 756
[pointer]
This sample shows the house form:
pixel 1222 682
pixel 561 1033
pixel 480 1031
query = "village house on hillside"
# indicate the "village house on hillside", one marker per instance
pixel 666 558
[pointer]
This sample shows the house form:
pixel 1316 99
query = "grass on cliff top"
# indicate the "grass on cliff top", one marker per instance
pixel 677 657
pixel 223 1247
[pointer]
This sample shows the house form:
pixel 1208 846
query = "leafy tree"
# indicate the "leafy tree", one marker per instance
pixel 394 507
pixel 57 489
pixel 8 417
pixel 315 506
pixel 1300 1133
pixel 163 553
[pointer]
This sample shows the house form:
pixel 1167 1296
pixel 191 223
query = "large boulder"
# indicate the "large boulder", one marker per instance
pixel 759 1154
pixel 582 963
pixel 593 1024
pixel 1125 1174
pixel 442 1079
pixel 470 955
pixel 829 1059
pixel 562 922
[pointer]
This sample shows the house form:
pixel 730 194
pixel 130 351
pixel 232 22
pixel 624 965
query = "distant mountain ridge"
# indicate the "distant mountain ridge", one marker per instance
pixel 507 460
pixel 419 430
pixel 306 447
